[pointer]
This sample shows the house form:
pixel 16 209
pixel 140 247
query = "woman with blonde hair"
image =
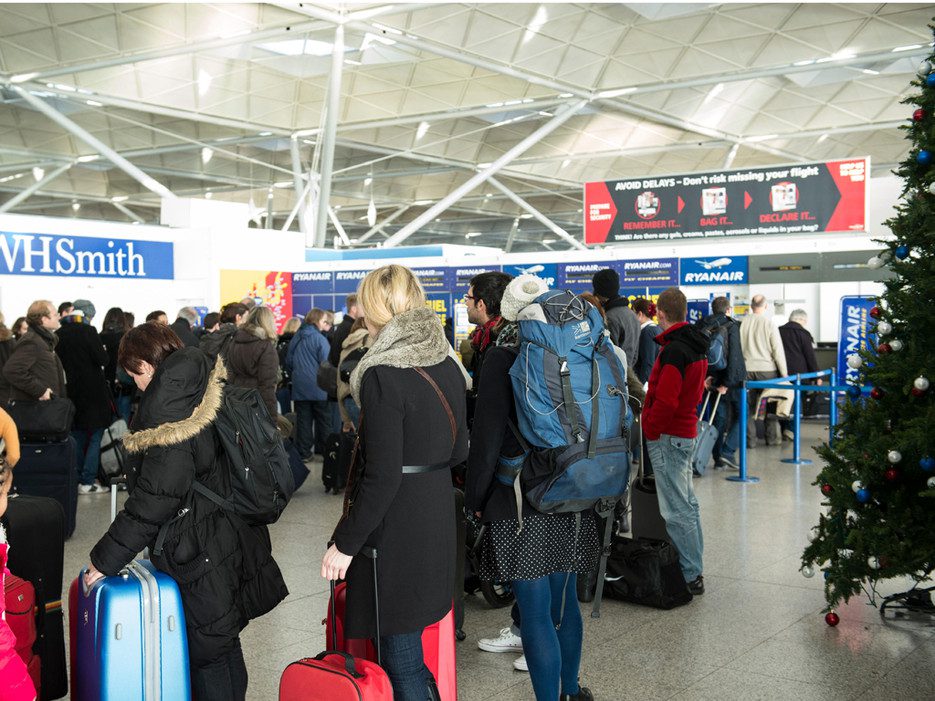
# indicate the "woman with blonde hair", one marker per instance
pixel 252 360
pixel 412 430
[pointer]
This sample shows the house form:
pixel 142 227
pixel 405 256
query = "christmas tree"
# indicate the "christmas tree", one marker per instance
pixel 879 476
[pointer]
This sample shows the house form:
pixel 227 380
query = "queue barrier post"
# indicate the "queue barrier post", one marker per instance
pixel 797 458
pixel 833 408
pixel 742 419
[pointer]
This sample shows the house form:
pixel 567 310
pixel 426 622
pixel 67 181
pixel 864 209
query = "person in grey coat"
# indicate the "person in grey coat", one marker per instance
pixel 622 323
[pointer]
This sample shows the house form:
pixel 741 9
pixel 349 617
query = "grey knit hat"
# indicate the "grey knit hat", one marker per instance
pixel 85 306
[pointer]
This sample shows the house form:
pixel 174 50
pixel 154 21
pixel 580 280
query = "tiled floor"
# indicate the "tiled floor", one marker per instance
pixel 756 634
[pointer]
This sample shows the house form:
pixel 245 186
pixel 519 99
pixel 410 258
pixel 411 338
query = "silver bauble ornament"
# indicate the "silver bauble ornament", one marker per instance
pixel 924 69
pixel 857 485
pixel 808 571
pixel 932 188
pixel 921 383
pixel 894 456
pixel 875 263
pixel 896 344
pixel 854 361
pixel 873 563
pixel 931 483
pixel 884 327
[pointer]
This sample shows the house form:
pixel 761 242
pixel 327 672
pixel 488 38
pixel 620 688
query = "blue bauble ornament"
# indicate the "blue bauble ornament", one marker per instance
pixel 902 251
pixel 927 463
pixel 930 80
pixel 853 391
pixel 863 495
pixel 923 157
pixel 827 575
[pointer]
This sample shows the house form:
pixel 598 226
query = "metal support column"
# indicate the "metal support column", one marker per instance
pixel 338 226
pixel 129 212
pixel 544 220
pixel 511 236
pixel 106 151
pixel 428 215
pixel 328 136
pixel 33 189
pixel 298 182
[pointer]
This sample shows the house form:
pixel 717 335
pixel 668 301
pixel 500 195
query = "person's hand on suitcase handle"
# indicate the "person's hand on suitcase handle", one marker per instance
pixel 91 575
pixel 335 563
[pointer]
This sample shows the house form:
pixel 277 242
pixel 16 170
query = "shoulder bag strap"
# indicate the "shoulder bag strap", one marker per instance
pixel 445 404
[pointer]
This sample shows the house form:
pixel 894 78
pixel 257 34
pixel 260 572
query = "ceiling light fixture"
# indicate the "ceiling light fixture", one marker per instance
pixel 910 47
pixel 713 93
pixel 298 47
pixel 93 103
pixel 209 195
pixel 75 206
pixel 38 173
pixel 422 130
pixel 88 159
pixel 11 177
pixel 823 137
pixel 870 71
pixel 204 82
pixel 422 203
pixel 566 163
pixel 372 207
pixel 472 234
pixel 265 133
pixel 23 77
pixel 119 198
pixel 538 20
pixel 368 180
pixel 206 155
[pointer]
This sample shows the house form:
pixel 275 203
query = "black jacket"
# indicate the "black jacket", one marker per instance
pixel 83 358
pixel 34 367
pixel 648 350
pixel 410 519
pixel 624 327
pixel 797 343
pixel 218 343
pixel 338 335
pixel 184 331
pixel 252 362
pixel 491 437
pixel 224 568
pixel 736 371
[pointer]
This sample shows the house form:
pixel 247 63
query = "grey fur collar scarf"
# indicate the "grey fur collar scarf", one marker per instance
pixel 413 339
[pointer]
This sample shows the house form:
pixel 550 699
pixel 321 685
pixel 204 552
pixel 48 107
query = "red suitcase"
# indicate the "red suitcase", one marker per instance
pixel 20 598
pixel 438 644
pixel 335 676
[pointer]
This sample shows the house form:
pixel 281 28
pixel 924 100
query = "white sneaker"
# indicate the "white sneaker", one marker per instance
pixel 519 664
pixel 90 488
pixel 508 641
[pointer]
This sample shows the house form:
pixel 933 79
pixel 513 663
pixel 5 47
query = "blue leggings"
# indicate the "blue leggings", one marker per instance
pixel 553 655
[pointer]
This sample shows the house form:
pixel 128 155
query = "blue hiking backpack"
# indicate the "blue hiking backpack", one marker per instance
pixel 571 406
pixel 717 350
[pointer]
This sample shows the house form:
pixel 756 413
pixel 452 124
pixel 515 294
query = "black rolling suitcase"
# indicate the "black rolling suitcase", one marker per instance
pixel 50 470
pixel 34 528
pixel 645 519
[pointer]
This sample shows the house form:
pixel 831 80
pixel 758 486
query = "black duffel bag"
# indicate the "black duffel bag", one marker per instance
pixel 646 572
pixel 38 421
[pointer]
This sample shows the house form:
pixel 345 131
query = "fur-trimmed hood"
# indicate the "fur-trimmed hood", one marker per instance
pixel 182 400
pixel 248 332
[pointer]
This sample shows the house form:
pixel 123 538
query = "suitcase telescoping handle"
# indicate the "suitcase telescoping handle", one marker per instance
pixel 707 397
pixel 370 553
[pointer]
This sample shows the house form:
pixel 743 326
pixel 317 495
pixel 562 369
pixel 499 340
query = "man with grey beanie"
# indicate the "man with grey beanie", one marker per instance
pixel 84 357
pixel 622 323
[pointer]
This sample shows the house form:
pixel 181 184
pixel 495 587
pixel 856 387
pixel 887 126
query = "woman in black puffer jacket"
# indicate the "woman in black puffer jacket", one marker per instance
pixel 224 567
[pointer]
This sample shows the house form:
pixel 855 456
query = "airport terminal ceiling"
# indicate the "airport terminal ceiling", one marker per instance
pixel 230 102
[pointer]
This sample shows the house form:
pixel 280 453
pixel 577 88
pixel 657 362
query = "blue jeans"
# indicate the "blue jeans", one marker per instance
pixel 551 638
pixel 672 467
pixel 124 406
pixel 284 397
pixel 89 453
pixel 728 434
pixel 353 411
pixel 312 426
pixel 405 666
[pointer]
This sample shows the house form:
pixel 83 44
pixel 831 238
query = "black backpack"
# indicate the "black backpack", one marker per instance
pixel 260 475
pixel 350 363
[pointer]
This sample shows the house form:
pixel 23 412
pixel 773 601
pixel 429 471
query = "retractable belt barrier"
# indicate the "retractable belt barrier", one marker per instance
pixel 794 383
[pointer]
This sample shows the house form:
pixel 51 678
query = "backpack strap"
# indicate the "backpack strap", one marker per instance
pixel 595 406
pixel 445 404
pixel 568 399
pixel 620 380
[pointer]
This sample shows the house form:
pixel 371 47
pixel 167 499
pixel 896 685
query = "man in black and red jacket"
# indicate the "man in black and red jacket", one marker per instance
pixel 670 424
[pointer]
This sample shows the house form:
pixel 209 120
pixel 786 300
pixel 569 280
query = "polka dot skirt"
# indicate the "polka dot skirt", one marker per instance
pixel 545 545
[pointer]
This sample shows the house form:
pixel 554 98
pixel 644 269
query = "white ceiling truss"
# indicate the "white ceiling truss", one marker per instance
pixel 453 119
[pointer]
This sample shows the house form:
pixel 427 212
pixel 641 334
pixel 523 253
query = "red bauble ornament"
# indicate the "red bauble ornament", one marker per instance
pixel 826 489
pixel 918 115
pixel 884 348
pixel 876 312
pixel 891 474
pixel 832 619
pixel 877 393
pixel 916 392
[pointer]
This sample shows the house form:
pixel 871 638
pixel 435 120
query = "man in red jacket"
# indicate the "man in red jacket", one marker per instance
pixel 670 425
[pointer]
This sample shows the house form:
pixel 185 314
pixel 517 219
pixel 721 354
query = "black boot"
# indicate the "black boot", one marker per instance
pixel 433 692
pixel 584 694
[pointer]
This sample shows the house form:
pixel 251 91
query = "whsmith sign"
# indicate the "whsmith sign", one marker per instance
pixel 45 254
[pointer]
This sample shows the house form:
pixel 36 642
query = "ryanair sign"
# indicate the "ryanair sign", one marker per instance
pixel 714 271
pixel 82 256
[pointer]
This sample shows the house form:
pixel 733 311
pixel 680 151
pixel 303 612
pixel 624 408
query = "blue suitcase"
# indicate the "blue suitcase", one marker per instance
pixel 131 639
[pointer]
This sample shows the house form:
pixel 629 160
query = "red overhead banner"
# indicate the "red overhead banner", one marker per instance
pixel 796 199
